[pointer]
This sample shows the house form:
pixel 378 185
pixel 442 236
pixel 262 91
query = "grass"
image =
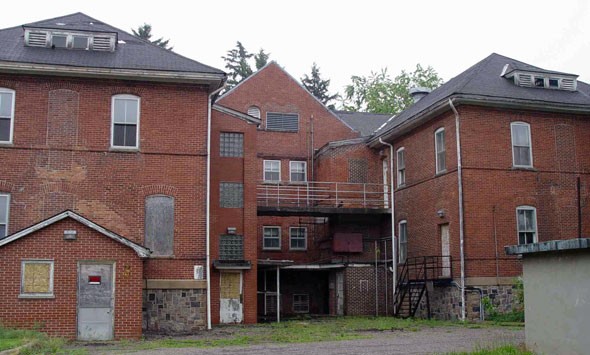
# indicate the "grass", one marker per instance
pixel 501 350
pixel 13 338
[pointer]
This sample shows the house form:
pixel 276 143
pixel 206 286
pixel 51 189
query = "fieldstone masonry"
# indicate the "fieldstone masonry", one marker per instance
pixel 174 311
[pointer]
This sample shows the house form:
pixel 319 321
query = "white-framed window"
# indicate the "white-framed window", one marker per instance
pixel 125 121
pixel 36 278
pixel 298 238
pixel 301 303
pixel 254 111
pixel 526 224
pixel 6 115
pixel 272 170
pixel 439 146
pixel 4 214
pixel 271 237
pixel 522 152
pixel 401 167
pixel 298 171
pixel 403 241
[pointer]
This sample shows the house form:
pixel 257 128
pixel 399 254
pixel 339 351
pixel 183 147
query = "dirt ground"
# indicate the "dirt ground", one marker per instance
pixel 435 340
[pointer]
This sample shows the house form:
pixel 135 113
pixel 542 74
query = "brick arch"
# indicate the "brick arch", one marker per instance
pixel 6 186
pixel 58 186
pixel 127 90
pixel 9 84
pixel 62 85
pixel 157 189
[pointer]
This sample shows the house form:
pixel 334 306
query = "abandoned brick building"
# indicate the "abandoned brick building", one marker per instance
pixel 126 181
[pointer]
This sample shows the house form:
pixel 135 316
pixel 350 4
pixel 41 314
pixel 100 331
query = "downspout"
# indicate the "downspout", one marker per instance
pixel 393 246
pixel 461 222
pixel 208 205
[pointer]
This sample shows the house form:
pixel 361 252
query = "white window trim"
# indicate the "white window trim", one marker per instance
pixel 49 294
pixel 254 111
pixel 304 171
pixel 10 91
pixel 125 97
pixel 264 171
pixel 399 244
pixel 263 237
pixel 436 152
pixel 401 150
pixel 291 236
pixel 527 208
pixel 518 123
pixel 7 213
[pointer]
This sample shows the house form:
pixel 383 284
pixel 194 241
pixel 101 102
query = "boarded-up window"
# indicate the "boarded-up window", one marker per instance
pixel 287 122
pixel 159 224
pixel 231 195
pixel 357 170
pixel 231 247
pixel 37 278
pixel 231 144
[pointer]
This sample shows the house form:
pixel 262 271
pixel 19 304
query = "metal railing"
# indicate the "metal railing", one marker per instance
pixel 322 194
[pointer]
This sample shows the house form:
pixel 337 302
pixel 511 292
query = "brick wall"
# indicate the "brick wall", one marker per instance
pixel 61 159
pixel 57 315
pixel 242 170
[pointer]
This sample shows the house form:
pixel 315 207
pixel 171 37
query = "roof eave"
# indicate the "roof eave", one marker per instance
pixel 214 81
pixel 498 102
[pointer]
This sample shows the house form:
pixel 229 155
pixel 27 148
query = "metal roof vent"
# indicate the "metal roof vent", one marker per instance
pixel 419 92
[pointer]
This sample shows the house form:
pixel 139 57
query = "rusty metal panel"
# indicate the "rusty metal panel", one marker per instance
pixel 159 224
pixel 230 303
pixel 95 302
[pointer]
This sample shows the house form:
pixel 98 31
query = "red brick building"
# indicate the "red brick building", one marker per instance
pixel 113 128
pixel 522 133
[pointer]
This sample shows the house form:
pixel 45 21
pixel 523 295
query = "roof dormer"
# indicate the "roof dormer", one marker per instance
pixel 539 78
pixel 67 39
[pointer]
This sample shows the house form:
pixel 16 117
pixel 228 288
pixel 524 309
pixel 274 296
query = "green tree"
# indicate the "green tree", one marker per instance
pixel 237 62
pixel 379 93
pixel 318 86
pixel 145 32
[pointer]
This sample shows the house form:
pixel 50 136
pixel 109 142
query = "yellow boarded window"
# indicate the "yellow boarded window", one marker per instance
pixel 37 277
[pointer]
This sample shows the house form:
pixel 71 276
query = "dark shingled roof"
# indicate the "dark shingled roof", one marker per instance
pixel 483 82
pixel 364 122
pixel 135 53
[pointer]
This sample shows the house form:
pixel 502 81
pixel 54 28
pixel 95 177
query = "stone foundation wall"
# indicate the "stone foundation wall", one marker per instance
pixel 445 301
pixel 174 311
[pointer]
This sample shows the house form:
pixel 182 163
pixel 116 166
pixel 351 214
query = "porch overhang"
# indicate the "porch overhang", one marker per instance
pixel 232 264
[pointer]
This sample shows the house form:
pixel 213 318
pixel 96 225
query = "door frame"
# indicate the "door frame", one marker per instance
pixel 113 292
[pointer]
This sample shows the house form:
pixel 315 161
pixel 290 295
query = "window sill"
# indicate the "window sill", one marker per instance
pixel 271 249
pixel 124 149
pixel 302 183
pixel 523 168
pixel 296 250
pixel 161 257
pixel 271 182
pixel 439 173
pixel 32 296
pixel 6 144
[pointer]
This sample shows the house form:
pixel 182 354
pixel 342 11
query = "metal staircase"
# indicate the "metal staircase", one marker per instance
pixel 412 283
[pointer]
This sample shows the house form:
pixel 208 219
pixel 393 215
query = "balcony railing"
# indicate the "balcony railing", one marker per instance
pixel 323 194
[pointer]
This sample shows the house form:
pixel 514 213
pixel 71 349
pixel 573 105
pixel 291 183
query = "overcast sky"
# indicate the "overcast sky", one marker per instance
pixel 350 38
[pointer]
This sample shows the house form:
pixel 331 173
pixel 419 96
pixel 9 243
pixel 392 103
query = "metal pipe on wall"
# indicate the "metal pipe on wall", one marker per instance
pixel 393 244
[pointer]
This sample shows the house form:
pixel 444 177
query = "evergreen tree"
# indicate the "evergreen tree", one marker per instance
pixel 318 86
pixel 237 62
pixel 261 59
pixel 145 32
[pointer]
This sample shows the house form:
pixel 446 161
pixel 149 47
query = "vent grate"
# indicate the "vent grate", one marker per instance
pixel 525 80
pixel 568 84
pixel 37 39
pixel 102 43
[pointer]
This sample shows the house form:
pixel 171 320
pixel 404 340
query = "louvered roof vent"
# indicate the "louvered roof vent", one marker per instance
pixel 539 78
pixel 63 38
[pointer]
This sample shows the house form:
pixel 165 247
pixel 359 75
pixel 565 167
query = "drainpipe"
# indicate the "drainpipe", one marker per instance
pixel 393 246
pixel 208 205
pixel 461 222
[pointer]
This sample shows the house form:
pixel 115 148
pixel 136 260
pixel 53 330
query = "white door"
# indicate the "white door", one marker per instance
pixel 95 301
pixel 445 250
pixel 230 297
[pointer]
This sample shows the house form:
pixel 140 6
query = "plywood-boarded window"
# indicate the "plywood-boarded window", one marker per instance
pixel 37 278
pixel 159 224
